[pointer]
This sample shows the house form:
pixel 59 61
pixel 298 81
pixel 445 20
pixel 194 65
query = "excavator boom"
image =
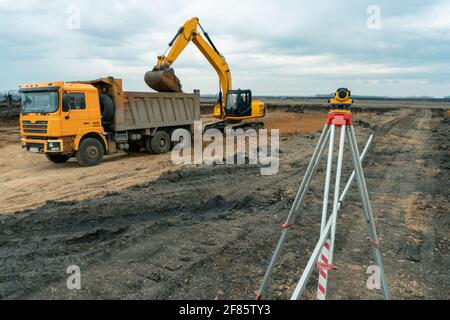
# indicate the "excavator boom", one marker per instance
pixel 162 78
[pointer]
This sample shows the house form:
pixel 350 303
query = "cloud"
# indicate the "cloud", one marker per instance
pixel 432 22
pixel 273 47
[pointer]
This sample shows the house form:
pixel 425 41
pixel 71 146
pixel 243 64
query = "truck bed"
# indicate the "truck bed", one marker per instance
pixel 143 110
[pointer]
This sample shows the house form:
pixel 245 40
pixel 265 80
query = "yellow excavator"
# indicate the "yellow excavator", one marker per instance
pixel 233 106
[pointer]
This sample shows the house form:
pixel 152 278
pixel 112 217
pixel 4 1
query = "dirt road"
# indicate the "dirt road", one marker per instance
pixel 208 232
pixel 23 174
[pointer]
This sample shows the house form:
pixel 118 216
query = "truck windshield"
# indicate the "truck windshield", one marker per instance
pixel 40 102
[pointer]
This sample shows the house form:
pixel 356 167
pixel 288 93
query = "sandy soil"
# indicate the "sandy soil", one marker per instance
pixel 23 174
pixel 29 180
pixel 207 232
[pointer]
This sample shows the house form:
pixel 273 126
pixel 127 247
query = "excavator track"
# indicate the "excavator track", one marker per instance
pixel 223 125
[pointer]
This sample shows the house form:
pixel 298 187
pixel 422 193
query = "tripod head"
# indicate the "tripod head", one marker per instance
pixel 341 99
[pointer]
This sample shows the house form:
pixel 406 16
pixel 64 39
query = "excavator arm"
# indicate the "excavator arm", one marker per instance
pixel 187 33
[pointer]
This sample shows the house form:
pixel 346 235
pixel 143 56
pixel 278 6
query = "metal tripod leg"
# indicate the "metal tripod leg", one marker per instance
pixel 328 177
pixel 311 263
pixel 317 250
pixel 362 187
pixel 337 191
pixel 304 188
pixel 324 258
pixel 328 261
pixel 322 286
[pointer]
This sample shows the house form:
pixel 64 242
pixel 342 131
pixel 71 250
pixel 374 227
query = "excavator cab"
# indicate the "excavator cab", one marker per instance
pixel 239 103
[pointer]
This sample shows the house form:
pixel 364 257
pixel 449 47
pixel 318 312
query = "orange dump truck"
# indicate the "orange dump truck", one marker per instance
pixel 90 119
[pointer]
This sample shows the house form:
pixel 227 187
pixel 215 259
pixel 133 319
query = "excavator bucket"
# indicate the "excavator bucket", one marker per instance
pixel 163 80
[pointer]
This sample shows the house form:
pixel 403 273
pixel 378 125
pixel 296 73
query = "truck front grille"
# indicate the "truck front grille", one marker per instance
pixel 39 127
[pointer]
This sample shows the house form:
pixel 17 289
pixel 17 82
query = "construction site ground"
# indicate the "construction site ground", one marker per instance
pixel 140 227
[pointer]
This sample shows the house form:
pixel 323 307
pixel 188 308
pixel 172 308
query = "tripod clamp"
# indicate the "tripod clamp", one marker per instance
pixel 327 267
pixel 373 244
pixel 340 118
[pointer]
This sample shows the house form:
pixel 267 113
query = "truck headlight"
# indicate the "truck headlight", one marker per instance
pixel 54 146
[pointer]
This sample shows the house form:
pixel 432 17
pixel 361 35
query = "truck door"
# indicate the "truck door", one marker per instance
pixel 74 113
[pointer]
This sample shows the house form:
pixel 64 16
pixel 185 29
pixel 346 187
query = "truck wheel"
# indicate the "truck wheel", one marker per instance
pixel 57 158
pixel 160 143
pixel 148 145
pixel 107 108
pixel 90 152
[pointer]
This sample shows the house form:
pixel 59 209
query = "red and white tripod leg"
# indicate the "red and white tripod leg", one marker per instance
pixel 325 255
pixel 326 259
pixel 323 272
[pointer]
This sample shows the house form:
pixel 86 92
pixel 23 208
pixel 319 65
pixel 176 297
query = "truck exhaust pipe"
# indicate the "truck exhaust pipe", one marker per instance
pixel 163 80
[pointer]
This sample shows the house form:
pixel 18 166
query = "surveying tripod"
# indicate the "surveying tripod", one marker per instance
pixel 323 254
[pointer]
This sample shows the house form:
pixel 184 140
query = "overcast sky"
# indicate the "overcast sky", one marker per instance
pixel 273 47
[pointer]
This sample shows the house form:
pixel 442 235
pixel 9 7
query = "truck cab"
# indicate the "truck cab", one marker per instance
pixel 57 117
